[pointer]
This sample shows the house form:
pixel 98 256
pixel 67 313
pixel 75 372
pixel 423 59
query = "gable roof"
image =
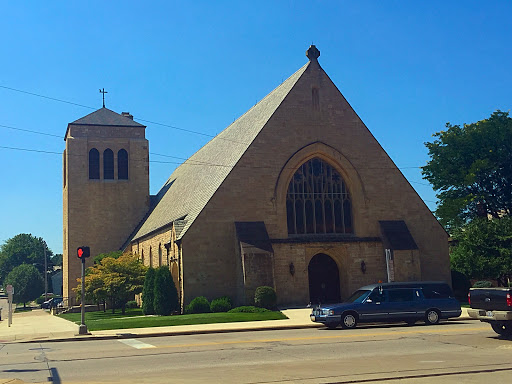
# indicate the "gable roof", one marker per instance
pixel 253 233
pixel 194 182
pixel 105 117
pixel 396 235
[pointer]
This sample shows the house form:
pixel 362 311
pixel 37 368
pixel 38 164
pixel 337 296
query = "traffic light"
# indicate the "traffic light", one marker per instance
pixel 83 252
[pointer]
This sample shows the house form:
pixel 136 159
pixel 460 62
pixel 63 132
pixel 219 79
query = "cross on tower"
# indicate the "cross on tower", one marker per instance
pixel 103 91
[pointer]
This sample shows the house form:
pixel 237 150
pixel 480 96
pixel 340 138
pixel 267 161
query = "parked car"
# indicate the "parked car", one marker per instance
pixel 52 303
pixel 410 302
pixel 493 306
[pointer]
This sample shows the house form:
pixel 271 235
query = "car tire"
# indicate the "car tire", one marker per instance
pixel 332 325
pixel 502 328
pixel 432 317
pixel 348 321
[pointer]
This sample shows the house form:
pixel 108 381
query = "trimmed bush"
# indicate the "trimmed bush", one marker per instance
pixel 248 309
pixel 482 284
pixel 148 293
pixel 165 300
pixel 461 285
pixel 132 304
pixel 265 297
pixel 198 305
pixel 222 304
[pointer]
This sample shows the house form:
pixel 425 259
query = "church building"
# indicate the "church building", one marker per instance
pixel 296 194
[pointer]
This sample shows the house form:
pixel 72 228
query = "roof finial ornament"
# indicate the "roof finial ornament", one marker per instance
pixel 312 53
pixel 103 91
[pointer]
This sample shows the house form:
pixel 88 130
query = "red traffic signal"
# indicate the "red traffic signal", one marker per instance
pixel 83 252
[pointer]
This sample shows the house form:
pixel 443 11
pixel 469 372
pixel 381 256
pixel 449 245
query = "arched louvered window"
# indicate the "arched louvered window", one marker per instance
pixel 318 201
pixel 108 164
pixel 94 164
pixel 122 164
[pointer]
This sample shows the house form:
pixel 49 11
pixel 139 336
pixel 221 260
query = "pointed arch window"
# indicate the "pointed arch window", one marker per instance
pixel 318 201
pixel 94 164
pixel 122 164
pixel 108 164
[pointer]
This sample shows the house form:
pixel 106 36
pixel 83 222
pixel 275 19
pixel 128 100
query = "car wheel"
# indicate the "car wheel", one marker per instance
pixel 502 328
pixel 348 321
pixel 332 325
pixel 432 317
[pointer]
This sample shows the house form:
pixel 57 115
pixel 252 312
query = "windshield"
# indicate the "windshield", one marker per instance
pixel 357 296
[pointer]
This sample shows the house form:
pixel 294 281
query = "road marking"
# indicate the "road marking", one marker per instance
pixel 348 335
pixel 136 344
pixel 432 361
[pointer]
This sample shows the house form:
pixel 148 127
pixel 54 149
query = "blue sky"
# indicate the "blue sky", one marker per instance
pixel 406 68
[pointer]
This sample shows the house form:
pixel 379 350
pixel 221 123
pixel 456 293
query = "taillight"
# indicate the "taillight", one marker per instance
pixel 469 298
pixel 509 300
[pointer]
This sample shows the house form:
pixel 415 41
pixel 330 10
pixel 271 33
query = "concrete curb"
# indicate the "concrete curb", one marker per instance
pixel 120 335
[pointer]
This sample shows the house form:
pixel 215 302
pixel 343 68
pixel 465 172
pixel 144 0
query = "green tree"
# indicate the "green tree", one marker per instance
pixel 57 259
pixel 165 299
pixel 24 249
pixel 148 293
pixel 484 250
pixel 101 256
pixel 27 282
pixel 115 279
pixel 471 169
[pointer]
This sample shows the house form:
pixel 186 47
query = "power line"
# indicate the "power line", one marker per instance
pixel 136 118
pixel 46 97
pixel 188 161
pixel 30 131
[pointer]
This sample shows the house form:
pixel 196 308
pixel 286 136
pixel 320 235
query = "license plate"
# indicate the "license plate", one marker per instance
pixel 489 314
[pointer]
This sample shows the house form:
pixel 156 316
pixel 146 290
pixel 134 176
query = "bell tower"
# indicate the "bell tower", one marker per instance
pixel 106 187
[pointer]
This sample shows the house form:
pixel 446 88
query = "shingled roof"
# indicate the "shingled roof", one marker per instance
pixel 193 183
pixel 105 116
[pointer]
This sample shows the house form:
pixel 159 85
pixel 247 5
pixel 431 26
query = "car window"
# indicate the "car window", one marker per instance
pixel 377 296
pixel 357 296
pixel 437 291
pixel 400 295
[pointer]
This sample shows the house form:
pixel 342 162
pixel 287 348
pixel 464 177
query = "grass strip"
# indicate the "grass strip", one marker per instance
pixel 99 321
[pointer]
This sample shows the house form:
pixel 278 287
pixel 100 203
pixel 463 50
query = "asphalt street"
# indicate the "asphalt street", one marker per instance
pixel 454 352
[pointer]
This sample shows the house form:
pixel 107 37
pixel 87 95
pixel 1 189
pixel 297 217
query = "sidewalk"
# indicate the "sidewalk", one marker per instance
pixel 39 325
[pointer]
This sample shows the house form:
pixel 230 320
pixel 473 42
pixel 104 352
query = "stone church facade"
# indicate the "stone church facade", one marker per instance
pixel 296 194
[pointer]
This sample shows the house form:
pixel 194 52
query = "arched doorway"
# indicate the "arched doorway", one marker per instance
pixel 324 280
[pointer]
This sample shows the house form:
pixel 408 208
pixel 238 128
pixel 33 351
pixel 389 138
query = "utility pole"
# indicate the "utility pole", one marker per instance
pixel 45 273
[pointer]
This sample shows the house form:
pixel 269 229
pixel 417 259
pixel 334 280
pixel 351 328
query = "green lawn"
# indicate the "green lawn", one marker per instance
pixel 98 321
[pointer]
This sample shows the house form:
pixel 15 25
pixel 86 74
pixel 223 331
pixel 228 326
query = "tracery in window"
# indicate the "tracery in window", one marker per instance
pixel 108 164
pixel 318 201
pixel 94 164
pixel 122 164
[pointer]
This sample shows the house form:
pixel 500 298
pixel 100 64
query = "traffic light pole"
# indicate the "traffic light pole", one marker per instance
pixel 82 330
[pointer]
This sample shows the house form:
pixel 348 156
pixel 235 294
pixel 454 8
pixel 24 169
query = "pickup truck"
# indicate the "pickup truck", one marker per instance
pixel 493 306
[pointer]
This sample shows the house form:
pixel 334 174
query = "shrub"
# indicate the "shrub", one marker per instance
pixel 148 293
pixel 132 304
pixel 40 300
pixel 198 305
pixel 482 284
pixel 222 304
pixel 461 285
pixel 265 297
pixel 165 300
pixel 248 309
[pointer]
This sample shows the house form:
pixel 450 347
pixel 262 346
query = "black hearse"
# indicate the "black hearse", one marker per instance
pixel 412 301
